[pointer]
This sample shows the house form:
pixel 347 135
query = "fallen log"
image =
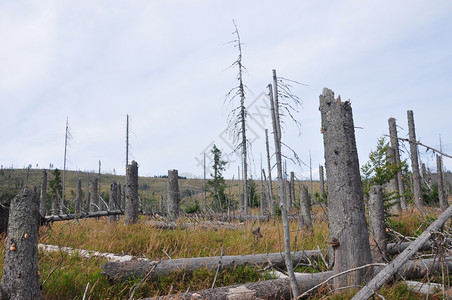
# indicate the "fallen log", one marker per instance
pixel 97 214
pixel 383 276
pixel 134 268
pixel 215 225
pixel 280 288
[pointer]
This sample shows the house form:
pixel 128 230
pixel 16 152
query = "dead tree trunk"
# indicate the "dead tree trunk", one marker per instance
pixel 131 194
pixel 55 209
pixel 292 189
pixel 322 181
pixel 384 275
pixel 346 216
pixel 43 196
pixel 95 195
pixel 395 145
pixel 78 200
pixel 417 190
pixel 377 228
pixel 173 195
pixel 136 268
pixel 87 204
pixel 281 187
pixel 305 220
pixel 114 201
pixel 393 185
pixel 270 186
pixel 439 173
pixel 20 278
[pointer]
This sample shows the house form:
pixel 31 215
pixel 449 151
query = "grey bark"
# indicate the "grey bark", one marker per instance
pixel 322 181
pixel 114 201
pixel 55 209
pixel 43 195
pixel 78 199
pixel 131 194
pixel 377 228
pixel 270 186
pixel 305 220
pixel 161 203
pixel 95 195
pixel 97 214
pixel 281 189
pixel 393 185
pixel 278 289
pixel 20 278
pixel 173 199
pixel 395 145
pixel 87 204
pixel 346 216
pixel 385 274
pixel 417 190
pixel 439 173
pixel 136 268
pixel 424 172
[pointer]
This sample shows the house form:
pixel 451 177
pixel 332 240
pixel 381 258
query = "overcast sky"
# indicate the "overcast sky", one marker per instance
pixel 166 65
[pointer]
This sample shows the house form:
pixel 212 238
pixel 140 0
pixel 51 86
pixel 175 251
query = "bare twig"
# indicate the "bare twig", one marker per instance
pixel 420 144
pixel 218 268
pixel 86 291
pixel 139 284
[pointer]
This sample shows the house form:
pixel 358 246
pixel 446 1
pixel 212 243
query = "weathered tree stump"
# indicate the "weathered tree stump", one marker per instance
pixel 395 145
pixel 20 278
pixel 346 215
pixel 322 181
pixel 393 185
pixel 377 238
pixel 95 195
pixel 78 198
pixel 131 194
pixel 114 202
pixel 173 195
pixel 305 219
pixel 417 190
pixel 439 174
pixel 43 195
pixel 55 205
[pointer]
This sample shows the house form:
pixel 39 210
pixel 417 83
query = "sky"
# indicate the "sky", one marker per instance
pixel 167 64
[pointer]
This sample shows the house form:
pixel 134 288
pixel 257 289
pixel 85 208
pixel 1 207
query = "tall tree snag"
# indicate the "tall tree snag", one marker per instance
pixel 439 174
pixel 270 185
pixel 395 145
pixel 346 216
pixel 173 195
pixel 43 195
pixel 131 194
pixel 20 278
pixel 417 190
pixel 281 189
pixel 322 181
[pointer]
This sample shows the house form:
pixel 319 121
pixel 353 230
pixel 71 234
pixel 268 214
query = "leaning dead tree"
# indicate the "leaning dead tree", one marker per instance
pixel 173 201
pixel 20 278
pixel 417 190
pixel 131 194
pixel 384 275
pixel 237 117
pixel 346 214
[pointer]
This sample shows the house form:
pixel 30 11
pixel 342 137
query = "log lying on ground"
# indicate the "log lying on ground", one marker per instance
pixel 280 288
pixel 382 277
pixel 64 217
pixel 123 270
pixel 89 253
pixel 204 225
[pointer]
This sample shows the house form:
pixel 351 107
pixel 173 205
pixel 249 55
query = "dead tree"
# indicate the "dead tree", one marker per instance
pixel 292 189
pixel 95 195
pixel 347 222
pixel 43 195
pixel 114 201
pixel 270 185
pixel 417 190
pixel 393 185
pixel 20 278
pixel 305 219
pixel 55 209
pixel 173 195
pixel 238 116
pixel 78 199
pixel 322 181
pixel 377 228
pixel 131 194
pixel 439 174
pixel 395 145
pixel 281 188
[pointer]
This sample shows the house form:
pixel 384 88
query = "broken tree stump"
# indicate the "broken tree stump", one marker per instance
pixel 20 278
pixel 377 227
pixel 131 194
pixel 173 195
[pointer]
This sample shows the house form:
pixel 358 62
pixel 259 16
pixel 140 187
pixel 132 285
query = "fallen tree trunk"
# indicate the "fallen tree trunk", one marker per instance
pixel 383 276
pixel 280 288
pixel 134 268
pixel 204 225
pixel 64 217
